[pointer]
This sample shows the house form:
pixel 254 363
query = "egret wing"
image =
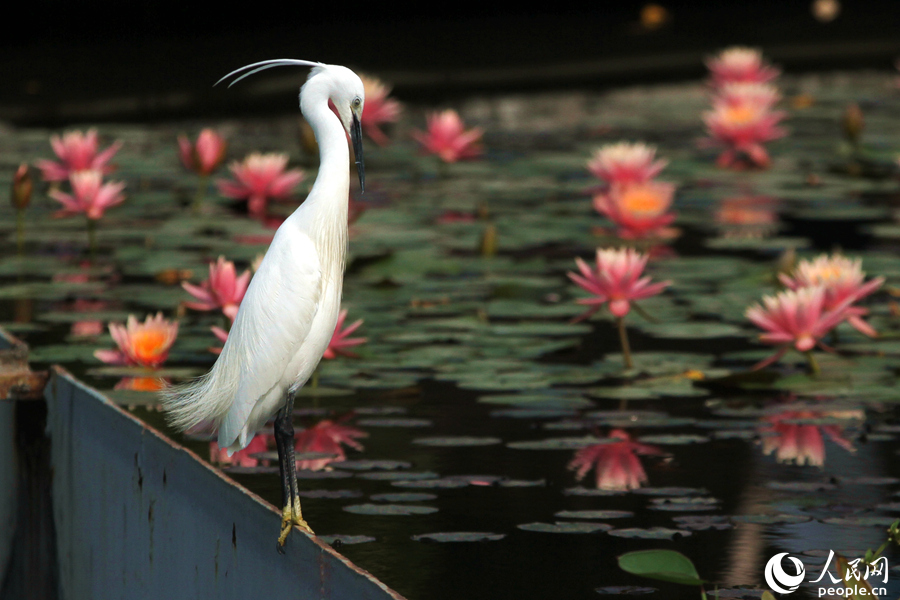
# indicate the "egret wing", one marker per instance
pixel 275 317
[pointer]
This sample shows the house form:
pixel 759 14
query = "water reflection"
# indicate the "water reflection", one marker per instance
pixel 796 438
pixel 616 464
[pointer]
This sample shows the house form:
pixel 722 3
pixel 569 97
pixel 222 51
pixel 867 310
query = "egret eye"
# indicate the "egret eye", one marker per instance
pixel 356 102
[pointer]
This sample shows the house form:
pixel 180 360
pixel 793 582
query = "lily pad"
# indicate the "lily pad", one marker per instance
pixel 653 533
pixel 390 509
pixel 567 527
pixel 459 536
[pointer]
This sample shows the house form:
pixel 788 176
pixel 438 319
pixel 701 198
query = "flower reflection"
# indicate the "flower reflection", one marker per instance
pixel 326 437
pixel 142 384
pixel 747 216
pixel 796 441
pixel 616 464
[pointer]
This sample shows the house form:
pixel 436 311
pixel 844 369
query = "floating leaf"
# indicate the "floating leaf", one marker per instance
pixel 459 536
pixel 390 509
pixel 593 514
pixel 653 533
pixel 664 565
pixel 403 497
pixel 567 527
pixel 457 441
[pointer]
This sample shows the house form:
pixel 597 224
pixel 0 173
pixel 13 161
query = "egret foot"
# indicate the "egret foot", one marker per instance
pixel 290 517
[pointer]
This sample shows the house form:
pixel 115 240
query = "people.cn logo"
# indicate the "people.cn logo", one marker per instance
pixel 780 581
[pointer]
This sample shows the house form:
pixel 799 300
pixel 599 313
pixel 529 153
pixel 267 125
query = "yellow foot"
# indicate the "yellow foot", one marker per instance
pixel 289 518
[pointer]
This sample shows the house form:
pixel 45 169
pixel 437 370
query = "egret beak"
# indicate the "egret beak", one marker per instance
pixel 356 136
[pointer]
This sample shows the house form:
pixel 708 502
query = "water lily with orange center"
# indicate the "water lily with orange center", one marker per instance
pixel 796 442
pixel 448 139
pixel 740 65
pixel 77 152
pixel 616 464
pixel 617 282
pixel 340 342
pixel 326 437
pixel 796 319
pixel 378 109
pixel 260 178
pixel 224 289
pixel 741 124
pixel 639 210
pixel 843 280
pixel 144 344
pixel 625 163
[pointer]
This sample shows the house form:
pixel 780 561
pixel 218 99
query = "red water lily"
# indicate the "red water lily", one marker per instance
pixel 616 464
pixel 326 437
pixel 741 121
pixel 448 139
pixel 243 457
pixel 625 163
pixel 204 156
pixel 843 280
pixel 260 178
pixel 77 152
pixel 617 281
pixel 795 318
pixel 378 109
pixel 740 65
pixel 224 289
pixel 89 195
pixel 340 342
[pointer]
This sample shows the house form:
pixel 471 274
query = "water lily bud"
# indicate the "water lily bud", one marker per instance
pixel 852 123
pixel 488 244
pixel 22 187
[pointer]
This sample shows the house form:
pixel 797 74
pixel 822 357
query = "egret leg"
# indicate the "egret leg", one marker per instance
pixel 284 440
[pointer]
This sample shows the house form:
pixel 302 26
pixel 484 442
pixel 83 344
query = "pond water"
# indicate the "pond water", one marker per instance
pixel 474 388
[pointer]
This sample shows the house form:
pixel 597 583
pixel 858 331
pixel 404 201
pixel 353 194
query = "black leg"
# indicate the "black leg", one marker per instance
pixel 284 439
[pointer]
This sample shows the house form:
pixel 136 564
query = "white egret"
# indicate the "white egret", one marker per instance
pixel 288 314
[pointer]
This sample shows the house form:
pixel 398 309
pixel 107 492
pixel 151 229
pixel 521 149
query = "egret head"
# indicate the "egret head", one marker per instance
pixel 348 97
pixel 344 90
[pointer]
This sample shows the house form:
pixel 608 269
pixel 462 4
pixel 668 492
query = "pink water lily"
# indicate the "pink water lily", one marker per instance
pixel 144 344
pixel 740 65
pixel 639 210
pixel 625 163
pixel 89 195
pixel 448 139
pixel 223 290
pixel 617 281
pixel 616 464
pixel 260 178
pixel 795 318
pixel 326 437
pixel 204 156
pixel 340 342
pixel 741 122
pixel 843 281
pixel 378 109
pixel 77 152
